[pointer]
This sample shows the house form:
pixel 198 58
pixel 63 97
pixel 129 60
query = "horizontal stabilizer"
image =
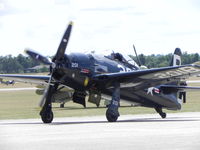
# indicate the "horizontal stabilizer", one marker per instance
pixel 176 87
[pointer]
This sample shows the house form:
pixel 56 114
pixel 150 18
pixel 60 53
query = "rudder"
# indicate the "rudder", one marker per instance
pixel 176 59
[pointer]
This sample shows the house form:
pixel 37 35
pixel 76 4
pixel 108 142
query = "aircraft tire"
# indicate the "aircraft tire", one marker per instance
pixel 111 115
pixel 47 117
pixel 163 115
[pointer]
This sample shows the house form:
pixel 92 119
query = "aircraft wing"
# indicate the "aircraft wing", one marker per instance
pixel 36 79
pixel 150 76
pixel 127 79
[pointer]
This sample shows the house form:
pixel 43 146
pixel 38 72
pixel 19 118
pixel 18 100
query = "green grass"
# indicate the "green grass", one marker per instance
pixel 17 85
pixel 24 104
pixel 18 104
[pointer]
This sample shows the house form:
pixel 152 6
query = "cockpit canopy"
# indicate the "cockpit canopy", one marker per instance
pixel 122 58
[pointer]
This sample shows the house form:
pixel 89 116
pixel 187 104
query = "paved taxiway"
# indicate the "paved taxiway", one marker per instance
pixel 17 89
pixel 178 131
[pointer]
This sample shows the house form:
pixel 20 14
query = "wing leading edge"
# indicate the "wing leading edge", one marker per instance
pixel 35 79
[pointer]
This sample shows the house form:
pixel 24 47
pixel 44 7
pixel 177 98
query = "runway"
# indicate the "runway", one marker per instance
pixel 178 131
pixel 17 89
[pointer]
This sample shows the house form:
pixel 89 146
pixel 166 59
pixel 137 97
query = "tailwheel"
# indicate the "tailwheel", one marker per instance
pixel 112 115
pixel 161 113
pixel 47 117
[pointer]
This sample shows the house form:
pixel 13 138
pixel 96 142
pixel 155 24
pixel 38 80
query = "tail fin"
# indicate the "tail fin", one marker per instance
pixel 176 59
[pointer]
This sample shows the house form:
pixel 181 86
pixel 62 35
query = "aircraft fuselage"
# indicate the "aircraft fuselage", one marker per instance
pixel 81 68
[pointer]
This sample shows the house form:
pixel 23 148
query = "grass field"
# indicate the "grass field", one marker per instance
pixel 24 104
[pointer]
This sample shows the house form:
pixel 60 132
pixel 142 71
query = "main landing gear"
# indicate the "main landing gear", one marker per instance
pixel 161 113
pixel 47 117
pixel 112 112
pixel 46 112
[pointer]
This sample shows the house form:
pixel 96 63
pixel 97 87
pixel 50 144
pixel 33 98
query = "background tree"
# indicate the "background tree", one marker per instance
pixel 19 64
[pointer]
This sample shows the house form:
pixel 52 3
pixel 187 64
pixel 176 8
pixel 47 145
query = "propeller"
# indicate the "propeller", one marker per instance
pixel 57 58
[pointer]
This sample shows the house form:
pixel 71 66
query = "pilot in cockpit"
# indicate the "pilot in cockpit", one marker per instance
pixel 117 56
pixel 125 59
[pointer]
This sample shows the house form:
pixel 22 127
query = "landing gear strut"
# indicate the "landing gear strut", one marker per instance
pixel 46 112
pixel 161 113
pixel 62 105
pixel 112 112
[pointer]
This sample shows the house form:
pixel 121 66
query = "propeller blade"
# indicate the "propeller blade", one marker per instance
pixel 43 99
pixel 63 44
pixel 38 57
pixel 46 91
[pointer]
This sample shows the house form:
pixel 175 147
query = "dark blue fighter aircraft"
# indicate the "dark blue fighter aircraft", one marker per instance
pixel 78 75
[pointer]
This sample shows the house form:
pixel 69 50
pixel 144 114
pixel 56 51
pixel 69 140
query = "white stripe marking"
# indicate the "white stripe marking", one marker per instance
pixel 17 89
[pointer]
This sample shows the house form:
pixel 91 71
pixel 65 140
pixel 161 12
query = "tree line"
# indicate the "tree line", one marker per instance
pixel 18 64
pixel 21 63
pixel 156 61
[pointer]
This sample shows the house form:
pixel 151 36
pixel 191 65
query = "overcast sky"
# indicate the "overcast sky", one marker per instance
pixel 154 26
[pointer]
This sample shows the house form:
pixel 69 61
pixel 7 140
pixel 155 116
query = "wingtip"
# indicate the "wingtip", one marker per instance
pixel 71 23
